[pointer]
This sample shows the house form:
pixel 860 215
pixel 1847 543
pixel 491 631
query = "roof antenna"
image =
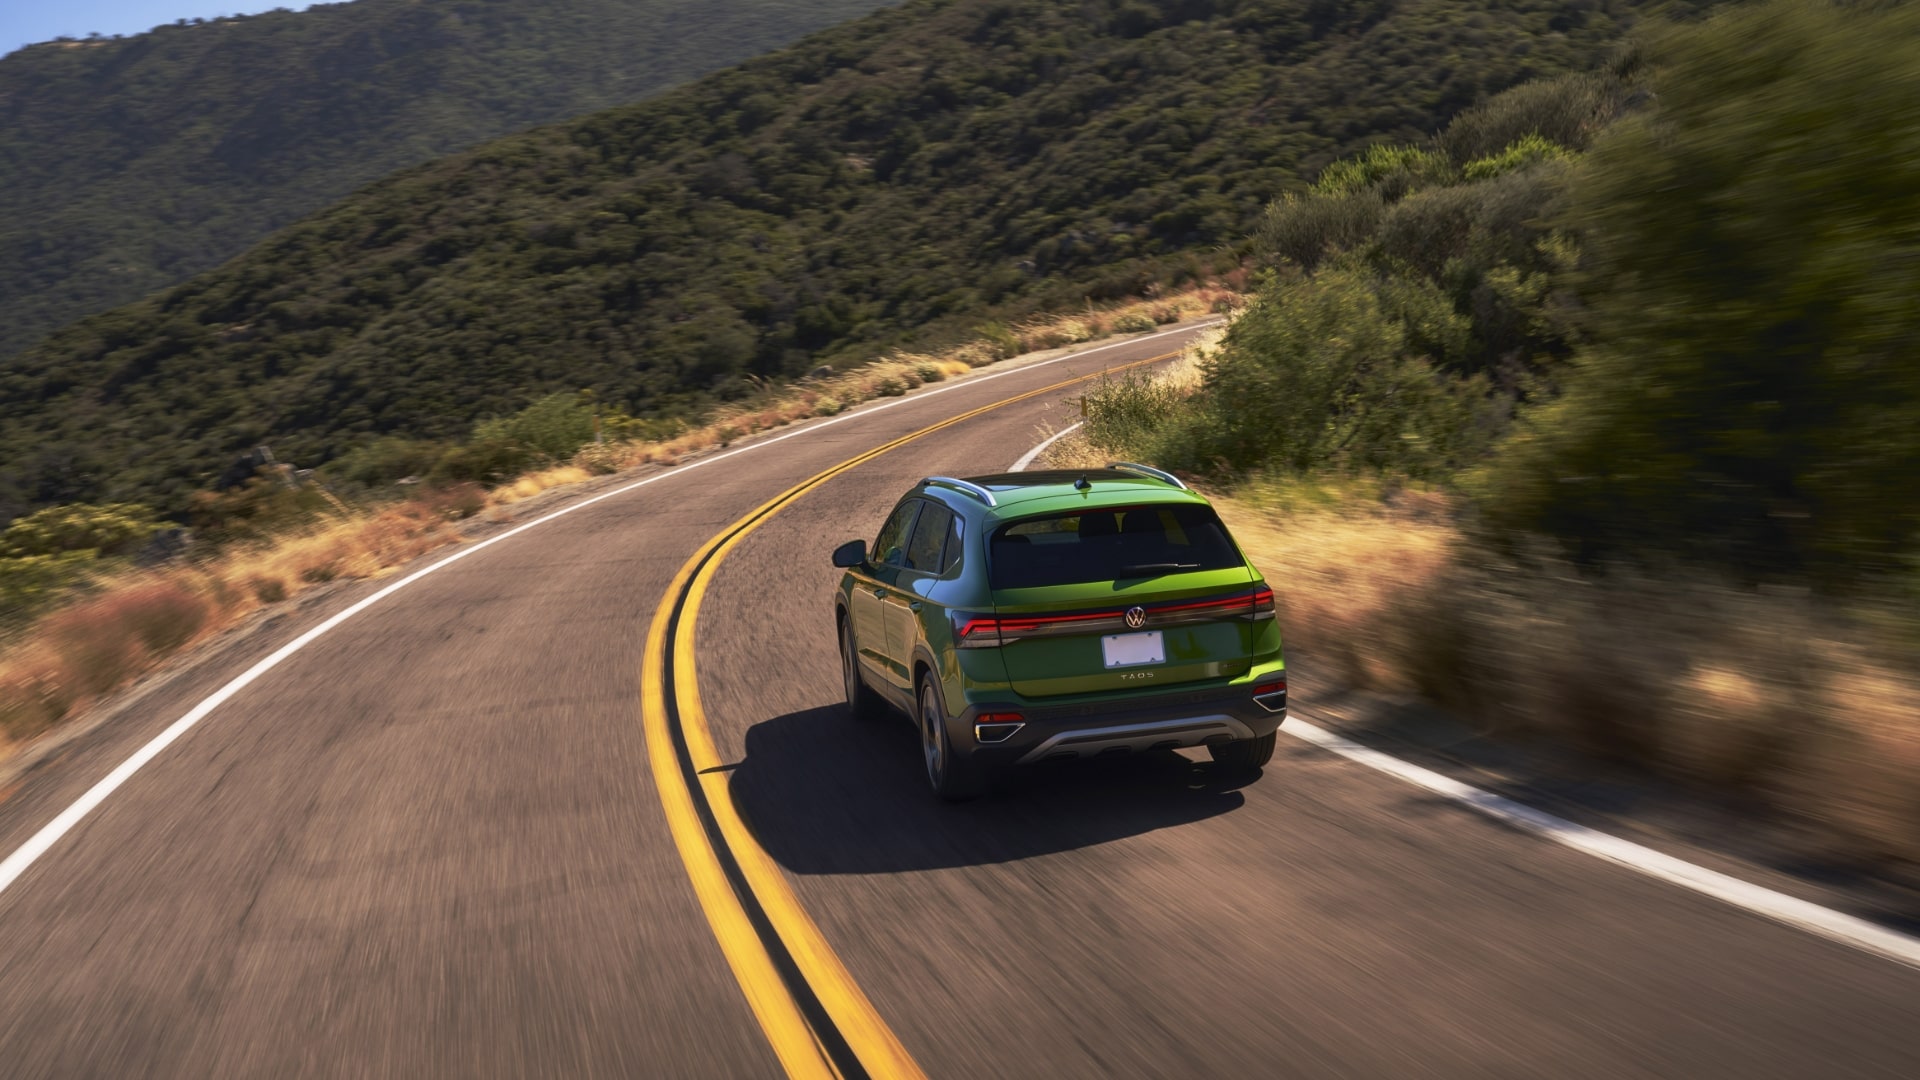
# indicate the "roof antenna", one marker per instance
pixel 1083 483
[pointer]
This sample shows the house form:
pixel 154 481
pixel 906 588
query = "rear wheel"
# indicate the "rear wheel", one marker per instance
pixel 862 702
pixel 952 778
pixel 1245 754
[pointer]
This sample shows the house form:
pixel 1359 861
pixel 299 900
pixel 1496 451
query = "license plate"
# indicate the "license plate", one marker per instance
pixel 1130 650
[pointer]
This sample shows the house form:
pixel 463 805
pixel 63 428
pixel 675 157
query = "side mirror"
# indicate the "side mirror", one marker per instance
pixel 850 554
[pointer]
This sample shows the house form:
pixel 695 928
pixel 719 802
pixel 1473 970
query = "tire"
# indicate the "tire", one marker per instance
pixel 1245 755
pixel 862 702
pixel 952 779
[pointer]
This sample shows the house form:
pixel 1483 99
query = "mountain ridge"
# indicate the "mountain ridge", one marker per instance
pixel 888 181
pixel 131 163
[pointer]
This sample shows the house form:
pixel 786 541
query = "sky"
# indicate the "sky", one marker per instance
pixel 23 22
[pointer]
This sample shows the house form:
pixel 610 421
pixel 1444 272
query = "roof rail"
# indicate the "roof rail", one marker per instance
pixel 966 486
pixel 1148 471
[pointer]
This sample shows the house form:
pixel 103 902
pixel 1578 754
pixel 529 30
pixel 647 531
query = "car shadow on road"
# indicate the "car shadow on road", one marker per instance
pixel 825 794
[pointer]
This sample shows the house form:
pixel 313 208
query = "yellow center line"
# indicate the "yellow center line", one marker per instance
pixel 800 1044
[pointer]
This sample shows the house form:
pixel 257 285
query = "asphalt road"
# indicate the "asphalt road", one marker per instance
pixel 430 844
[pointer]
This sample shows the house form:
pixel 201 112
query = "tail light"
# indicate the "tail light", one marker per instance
pixel 1271 694
pixel 972 631
pixel 1263 609
pixel 997 727
pixel 975 631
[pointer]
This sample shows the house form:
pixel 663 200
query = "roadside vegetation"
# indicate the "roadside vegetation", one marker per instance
pixel 1597 417
pixel 92 596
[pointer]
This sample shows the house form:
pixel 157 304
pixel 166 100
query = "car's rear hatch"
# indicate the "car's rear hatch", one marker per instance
pixel 1128 598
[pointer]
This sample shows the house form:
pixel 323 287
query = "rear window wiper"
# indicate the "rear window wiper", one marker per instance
pixel 1147 569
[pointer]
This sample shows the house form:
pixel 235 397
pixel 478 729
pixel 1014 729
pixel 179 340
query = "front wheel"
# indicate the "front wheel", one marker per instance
pixel 1245 755
pixel 953 779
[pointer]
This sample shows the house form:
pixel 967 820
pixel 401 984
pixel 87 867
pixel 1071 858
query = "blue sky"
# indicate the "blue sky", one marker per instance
pixel 23 22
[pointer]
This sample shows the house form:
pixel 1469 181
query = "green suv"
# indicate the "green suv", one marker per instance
pixel 1029 616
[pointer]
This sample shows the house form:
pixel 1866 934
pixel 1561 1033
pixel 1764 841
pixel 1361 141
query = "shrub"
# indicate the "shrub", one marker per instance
pixel 109 529
pixel 1568 111
pixel 1317 374
pixel 32 583
pixel 1753 398
pixel 1131 413
pixel 1001 339
pixel 385 460
pixel 1305 229
pixel 599 459
pixel 268 504
pixel 163 616
pixel 1529 150
pixel 1391 171
pixel 1133 322
pixel 550 429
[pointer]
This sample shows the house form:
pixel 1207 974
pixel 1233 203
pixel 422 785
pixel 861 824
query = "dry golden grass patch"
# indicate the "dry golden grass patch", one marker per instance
pixel 1343 581
pixel 1776 696
pixel 533 483
pixel 89 648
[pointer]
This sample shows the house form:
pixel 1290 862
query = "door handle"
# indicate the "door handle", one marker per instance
pixel 880 593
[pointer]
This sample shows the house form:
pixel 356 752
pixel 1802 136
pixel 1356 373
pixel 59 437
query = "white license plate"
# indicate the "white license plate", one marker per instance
pixel 1129 650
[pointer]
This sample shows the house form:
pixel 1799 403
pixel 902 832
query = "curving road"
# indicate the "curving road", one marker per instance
pixel 431 842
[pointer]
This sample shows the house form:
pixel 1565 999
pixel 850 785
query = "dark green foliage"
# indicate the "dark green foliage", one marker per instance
pixel 901 178
pixel 1330 371
pixel 1565 112
pixel 1754 394
pixel 128 164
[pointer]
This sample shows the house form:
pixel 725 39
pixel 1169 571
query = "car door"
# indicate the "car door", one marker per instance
pixel 912 593
pixel 873 584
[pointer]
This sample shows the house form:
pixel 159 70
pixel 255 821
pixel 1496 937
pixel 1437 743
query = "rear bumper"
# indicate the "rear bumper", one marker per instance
pixel 1178 718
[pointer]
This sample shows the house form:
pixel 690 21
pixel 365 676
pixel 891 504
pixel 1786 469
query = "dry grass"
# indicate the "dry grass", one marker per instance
pixel 91 647
pixel 1779 697
pixel 88 649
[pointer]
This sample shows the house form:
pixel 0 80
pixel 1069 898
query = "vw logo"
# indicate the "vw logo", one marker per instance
pixel 1136 617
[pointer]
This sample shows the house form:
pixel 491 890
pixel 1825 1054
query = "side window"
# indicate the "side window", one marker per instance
pixel 955 532
pixel 929 537
pixel 891 548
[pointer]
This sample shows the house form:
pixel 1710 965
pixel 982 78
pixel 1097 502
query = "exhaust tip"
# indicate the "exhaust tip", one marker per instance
pixel 996 732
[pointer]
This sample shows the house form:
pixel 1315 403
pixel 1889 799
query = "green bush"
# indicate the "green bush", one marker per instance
pixel 1753 397
pixel 385 460
pixel 1322 373
pixel 1304 229
pixel 1392 171
pixel 109 529
pixel 1131 414
pixel 1568 111
pixel 29 584
pixel 1529 150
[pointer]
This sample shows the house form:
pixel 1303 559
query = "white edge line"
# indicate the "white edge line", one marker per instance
pixel 1026 459
pixel 50 834
pixel 1778 906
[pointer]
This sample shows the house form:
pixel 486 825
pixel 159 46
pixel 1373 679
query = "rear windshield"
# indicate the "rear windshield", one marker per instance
pixel 1109 545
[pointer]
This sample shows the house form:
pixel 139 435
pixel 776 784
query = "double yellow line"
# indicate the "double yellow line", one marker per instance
pixel 815 1016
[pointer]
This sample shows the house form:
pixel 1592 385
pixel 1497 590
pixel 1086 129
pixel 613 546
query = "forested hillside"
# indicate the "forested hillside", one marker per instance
pixel 903 175
pixel 128 164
